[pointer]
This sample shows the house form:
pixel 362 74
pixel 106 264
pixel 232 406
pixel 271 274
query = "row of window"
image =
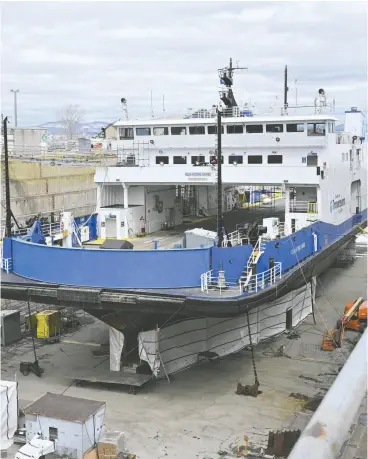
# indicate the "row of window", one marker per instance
pixel 313 129
pixel 237 159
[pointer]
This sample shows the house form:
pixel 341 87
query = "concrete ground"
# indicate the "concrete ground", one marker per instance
pixel 198 414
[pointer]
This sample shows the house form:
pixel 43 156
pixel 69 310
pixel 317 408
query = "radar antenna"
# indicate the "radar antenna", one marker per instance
pixel 226 75
pixel 124 106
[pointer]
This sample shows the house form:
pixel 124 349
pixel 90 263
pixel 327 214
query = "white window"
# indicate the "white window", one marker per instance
pixel 316 129
pixel 160 131
pixel 196 130
pixel 143 131
pixel 126 133
pixel 178 130
pixel 234 129
pixel 274 128
pixel 295 127
pixel 254 128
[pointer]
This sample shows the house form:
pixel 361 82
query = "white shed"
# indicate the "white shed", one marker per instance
pixel 75 424
pixel 196 237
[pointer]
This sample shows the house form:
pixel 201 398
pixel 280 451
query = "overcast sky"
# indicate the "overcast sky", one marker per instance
pixel 94 53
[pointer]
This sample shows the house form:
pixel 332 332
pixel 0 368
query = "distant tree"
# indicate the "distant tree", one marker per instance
pixel 69 117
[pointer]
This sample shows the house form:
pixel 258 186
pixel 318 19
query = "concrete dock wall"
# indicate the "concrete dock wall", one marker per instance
pixel 42 188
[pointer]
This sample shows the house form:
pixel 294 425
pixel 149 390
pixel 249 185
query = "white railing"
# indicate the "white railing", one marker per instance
pixel 206 279
pixel 283 229
pixel 234 238
pixel 219 283
pixel 258 282
pixel 6 264
pixel 48 229
pixel 235 112
pixel 254 283
pixel 303 207
pixel 257 251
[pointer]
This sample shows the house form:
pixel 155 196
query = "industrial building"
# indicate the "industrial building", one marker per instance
pixel 74 424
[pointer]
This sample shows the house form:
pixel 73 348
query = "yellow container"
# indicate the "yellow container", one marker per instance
pixel 48 323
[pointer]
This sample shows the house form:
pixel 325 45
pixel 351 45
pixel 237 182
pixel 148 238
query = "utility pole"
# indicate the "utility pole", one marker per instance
pixel 7 187
pixel 220 218
pixel 15 92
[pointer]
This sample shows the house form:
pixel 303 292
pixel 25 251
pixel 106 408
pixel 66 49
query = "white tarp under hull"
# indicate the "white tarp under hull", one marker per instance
pixel 177 346
pixel 9 412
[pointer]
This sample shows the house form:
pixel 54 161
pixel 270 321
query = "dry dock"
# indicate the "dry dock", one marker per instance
pixel 198 415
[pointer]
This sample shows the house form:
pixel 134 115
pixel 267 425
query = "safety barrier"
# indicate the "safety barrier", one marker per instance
pixel 235 238
pixel 48 229
pixel 255 283
pixel 303 207
pixel 219 283
pixel 262 280
pixel 6 265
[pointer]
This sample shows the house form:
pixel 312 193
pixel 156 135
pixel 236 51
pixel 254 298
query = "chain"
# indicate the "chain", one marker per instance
pixel 251 348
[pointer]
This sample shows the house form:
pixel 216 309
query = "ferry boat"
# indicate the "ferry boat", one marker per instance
pixel 175 305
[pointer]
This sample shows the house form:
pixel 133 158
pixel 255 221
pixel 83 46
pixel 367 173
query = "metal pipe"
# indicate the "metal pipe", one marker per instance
pixel 327 431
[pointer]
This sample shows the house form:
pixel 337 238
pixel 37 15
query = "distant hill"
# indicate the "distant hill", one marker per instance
pixel 89 129
pixel 339 128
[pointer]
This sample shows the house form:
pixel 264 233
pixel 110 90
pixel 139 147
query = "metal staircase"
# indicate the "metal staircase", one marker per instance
pixel 257 251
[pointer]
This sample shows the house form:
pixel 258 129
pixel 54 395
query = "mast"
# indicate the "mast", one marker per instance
pixel 220 219
pixel 226 75
pixel 286 89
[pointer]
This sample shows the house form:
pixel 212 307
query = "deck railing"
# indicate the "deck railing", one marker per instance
pixel 303 207
pixel 262 280
pixel 6 264
pixel 235 238
pixel 212 282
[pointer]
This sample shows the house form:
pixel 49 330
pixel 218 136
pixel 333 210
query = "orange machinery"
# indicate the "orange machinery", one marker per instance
pixel 358 319
pixel 354 318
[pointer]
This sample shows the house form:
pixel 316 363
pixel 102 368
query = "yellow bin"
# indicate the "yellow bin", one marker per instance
pixel 48 323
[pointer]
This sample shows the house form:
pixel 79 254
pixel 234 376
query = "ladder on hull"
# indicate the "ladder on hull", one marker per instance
pixel 256 254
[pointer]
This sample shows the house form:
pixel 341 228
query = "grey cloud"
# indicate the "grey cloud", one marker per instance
pixel 94 53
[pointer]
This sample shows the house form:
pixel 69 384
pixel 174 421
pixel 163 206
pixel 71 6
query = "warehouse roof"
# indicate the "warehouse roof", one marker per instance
pixel 64 407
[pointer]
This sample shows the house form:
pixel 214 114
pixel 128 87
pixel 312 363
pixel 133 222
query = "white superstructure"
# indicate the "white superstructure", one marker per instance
pixel 322 172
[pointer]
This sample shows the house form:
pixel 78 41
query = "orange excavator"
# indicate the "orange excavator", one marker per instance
pixel 354 318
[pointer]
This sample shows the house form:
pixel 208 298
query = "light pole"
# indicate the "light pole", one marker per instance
pixel 15 91
pixel 7 187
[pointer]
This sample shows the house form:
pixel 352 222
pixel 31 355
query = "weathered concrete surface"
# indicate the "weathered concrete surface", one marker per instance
pixel 37 187
pixel 198 414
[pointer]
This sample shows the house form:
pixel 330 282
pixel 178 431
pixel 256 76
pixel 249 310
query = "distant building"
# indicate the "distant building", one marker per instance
pixel 27 141
pixel 109 132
